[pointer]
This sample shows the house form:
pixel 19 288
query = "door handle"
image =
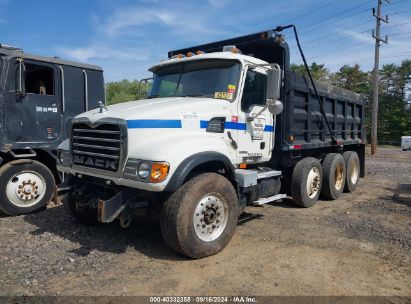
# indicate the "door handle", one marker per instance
pixel 233 142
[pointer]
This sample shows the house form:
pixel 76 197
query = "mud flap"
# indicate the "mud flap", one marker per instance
pixel 110 209
pixel 55 198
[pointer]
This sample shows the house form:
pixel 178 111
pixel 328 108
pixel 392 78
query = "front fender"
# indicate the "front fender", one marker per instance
pixel 190 149
pixel 185 168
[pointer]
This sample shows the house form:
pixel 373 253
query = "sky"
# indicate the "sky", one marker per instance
pixel 126 37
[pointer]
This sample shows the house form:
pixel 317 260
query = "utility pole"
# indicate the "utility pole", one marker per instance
pixel 378 40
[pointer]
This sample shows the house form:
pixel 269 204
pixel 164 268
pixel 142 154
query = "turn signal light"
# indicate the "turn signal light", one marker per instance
pixel 159 172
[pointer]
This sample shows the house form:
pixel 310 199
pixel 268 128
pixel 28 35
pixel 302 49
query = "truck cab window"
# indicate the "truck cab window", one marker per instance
pixel 202 78
pixel 39 79
pixel 254 90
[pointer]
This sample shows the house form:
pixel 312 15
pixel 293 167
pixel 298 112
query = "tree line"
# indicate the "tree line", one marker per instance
pixel 394 116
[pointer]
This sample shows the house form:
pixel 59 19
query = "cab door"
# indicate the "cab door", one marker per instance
pixel 255 133
pixel 33 115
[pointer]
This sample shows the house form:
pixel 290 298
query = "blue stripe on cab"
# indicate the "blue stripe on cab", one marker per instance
pixel 269 128
pixel 203 124
pixel 235 125
pixel 154 124
pixel 176 124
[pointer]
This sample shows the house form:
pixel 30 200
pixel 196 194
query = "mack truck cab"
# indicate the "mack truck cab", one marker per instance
pixel 38 98
pixel 203 145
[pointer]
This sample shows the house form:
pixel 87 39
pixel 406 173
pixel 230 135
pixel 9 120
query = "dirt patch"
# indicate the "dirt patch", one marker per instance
pixel 357 245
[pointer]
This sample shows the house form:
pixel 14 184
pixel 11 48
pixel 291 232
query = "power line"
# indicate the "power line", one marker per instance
pixel 312 40
pixel 311 11
pixel 339 14
pixel 365 59
pixel 316 38
pixel 397 2
pixel 398 24
pixel 399 12
pixel 338 39
pixel 396 34
pixel 339 49
pixel 314 26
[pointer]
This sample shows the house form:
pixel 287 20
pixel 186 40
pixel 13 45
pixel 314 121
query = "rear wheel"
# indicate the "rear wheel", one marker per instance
pixel 334 176
pixel 199 219
pixel 352 164
pixel 306 182
pixel 25 186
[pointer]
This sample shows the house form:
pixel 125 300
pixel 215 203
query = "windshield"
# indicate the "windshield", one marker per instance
pixel 199 78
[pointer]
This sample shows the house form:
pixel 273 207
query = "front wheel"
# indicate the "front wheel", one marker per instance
pixel 25 186
pixel 199 219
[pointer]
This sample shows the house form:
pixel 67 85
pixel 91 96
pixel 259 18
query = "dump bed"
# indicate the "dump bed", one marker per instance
pixel 302 125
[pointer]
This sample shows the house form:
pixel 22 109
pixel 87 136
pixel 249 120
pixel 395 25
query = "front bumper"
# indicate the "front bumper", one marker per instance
pixel 120 181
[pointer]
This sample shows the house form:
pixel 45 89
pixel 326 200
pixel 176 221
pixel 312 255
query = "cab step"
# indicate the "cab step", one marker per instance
pixel 247 178
pixel 270 199
pixel 268 174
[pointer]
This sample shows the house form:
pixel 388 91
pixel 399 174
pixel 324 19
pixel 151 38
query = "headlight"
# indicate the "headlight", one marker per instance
pixel 144 170
pixel 159 172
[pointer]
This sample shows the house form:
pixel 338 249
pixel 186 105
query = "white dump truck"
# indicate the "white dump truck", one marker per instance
pixel 225 125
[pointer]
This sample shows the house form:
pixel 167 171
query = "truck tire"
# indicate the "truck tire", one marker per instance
pixel 26 186
pixel 199 219
pixel 352 165
pixel 86 216
pixel 334 176
pixel 306 182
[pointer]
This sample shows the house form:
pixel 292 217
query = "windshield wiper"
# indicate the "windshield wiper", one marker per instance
pixel 187 95
pixel 192 95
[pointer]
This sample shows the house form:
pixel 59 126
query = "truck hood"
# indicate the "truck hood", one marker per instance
pixel 160 108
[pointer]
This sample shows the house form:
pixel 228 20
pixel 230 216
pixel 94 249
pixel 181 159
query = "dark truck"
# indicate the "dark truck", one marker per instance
pixel 38 98
pixel 226 125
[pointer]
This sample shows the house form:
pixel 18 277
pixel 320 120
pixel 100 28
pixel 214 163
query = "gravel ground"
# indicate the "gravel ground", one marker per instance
pixel 357 245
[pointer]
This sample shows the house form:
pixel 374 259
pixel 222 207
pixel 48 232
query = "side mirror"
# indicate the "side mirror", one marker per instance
pixel 273 83
pixel 21 90
pixel 275 106
pixel 144 87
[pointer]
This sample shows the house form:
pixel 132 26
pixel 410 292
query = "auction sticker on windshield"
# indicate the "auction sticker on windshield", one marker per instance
pixel 231 88
pixel 223 95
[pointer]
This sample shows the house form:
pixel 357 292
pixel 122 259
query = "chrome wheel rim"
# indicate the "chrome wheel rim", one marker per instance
pixel 339 176
pixel 26 189
pixel 210 217
pixel 313 182
pixel 354 173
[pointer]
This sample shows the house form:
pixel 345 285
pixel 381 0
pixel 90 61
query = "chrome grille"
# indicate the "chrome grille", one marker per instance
pixel 98 147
